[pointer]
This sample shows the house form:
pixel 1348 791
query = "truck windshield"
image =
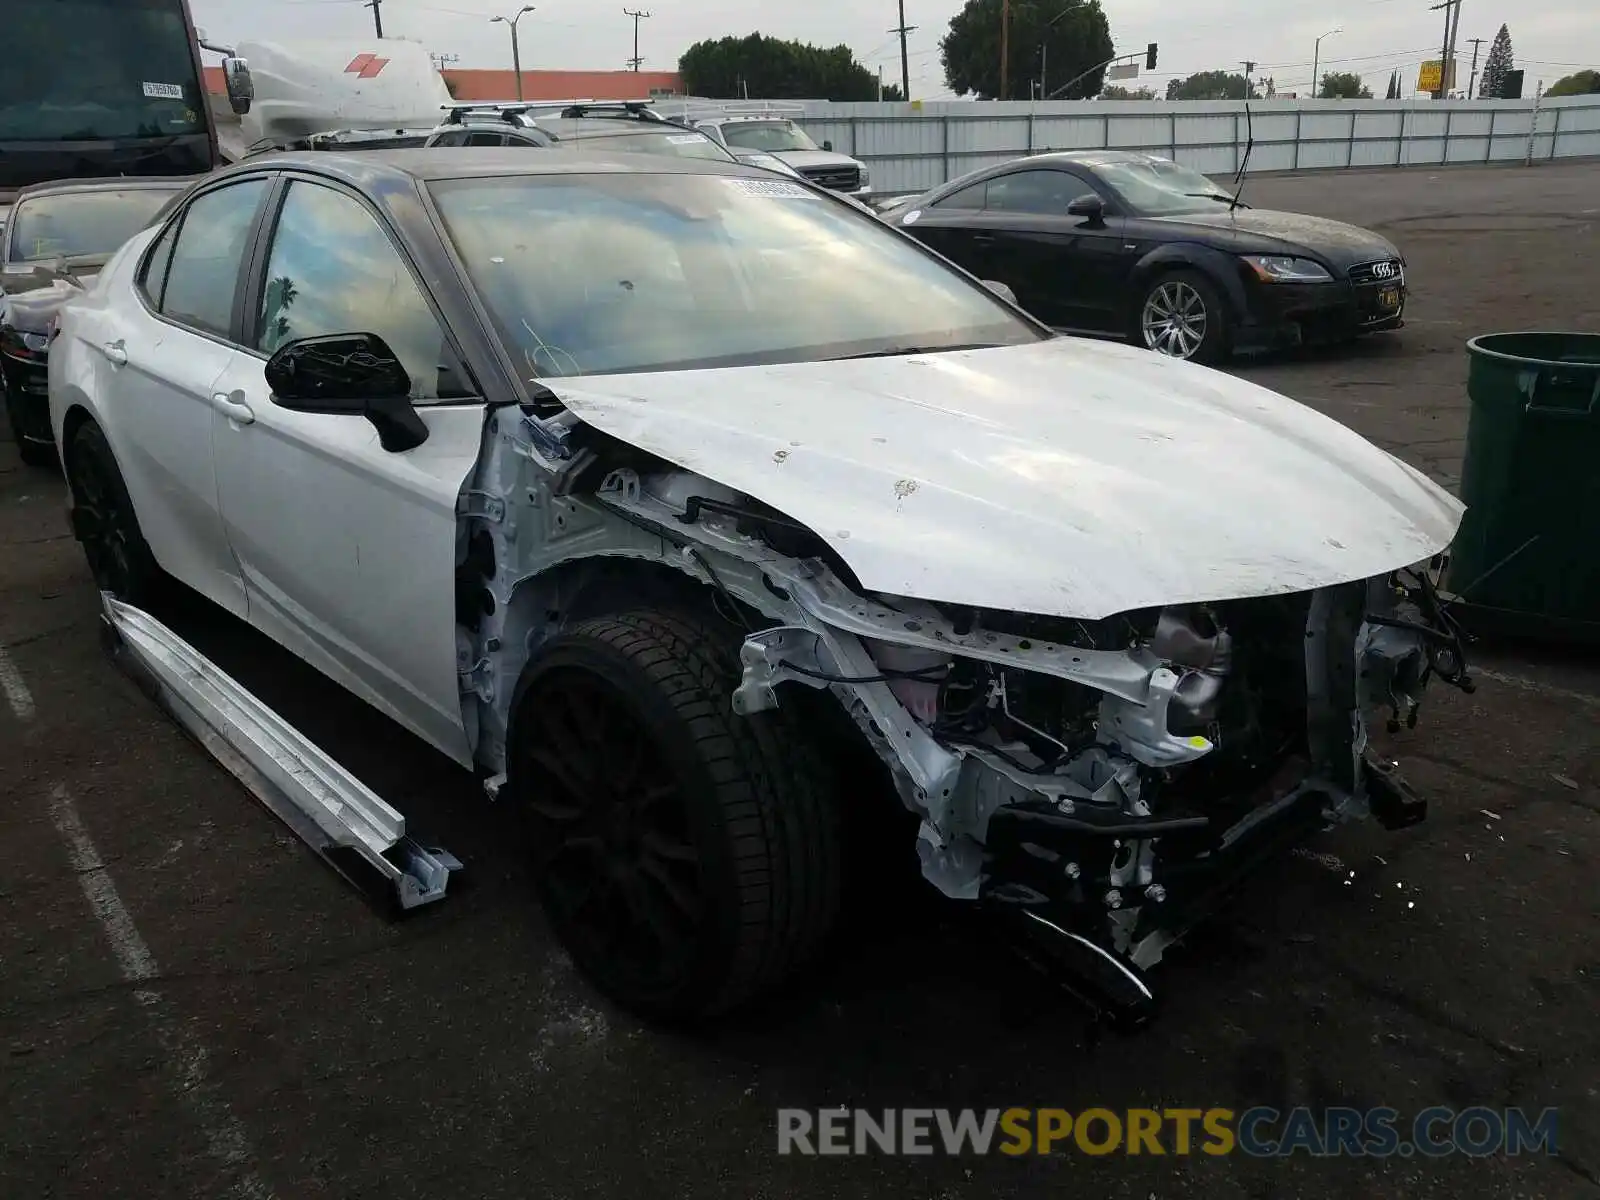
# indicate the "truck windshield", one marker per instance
pixel 90 70
pixel 73 223
pixel 767 135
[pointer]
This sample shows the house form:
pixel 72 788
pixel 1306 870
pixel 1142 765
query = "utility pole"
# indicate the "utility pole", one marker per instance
pixel 637 15
pixel 1452 18
pixel 1249 77
pixel 1472 84
pixel 1005 48
pixel 377 15
pixel 516 50
pixel 905 59
pixel 1450 63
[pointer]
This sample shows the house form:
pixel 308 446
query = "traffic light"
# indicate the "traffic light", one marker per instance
pixel 1150 57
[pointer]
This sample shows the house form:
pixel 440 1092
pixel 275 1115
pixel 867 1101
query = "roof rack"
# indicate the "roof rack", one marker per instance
pixel 511 110
pixel 708 110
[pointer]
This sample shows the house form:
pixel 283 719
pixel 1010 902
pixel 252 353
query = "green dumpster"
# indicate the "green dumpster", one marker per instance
pixel 1527 557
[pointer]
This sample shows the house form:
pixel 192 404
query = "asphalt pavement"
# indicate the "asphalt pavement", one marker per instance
pixel 192 1005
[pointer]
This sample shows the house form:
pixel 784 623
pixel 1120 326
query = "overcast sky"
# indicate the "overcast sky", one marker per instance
pixel 1551 37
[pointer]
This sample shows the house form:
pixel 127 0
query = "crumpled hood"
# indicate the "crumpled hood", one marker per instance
pixel 1070 478
pixel 29 298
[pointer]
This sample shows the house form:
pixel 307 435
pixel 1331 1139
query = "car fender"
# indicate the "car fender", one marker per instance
pixel 1218 266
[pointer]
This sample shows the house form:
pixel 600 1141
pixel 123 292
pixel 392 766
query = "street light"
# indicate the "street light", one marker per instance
pixel 1044 48
pixel 1316 60
pixel 516 52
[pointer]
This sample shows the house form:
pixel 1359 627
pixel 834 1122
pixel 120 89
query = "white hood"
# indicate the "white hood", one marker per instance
pixel 1070 478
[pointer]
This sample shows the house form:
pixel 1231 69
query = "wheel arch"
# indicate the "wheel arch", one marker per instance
pixel 1215 265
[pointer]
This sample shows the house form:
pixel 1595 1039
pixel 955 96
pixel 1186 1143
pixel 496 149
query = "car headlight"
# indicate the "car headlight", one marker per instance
pixel 1273 268
pixel 24 343
pixel 866 177
pixel 37 342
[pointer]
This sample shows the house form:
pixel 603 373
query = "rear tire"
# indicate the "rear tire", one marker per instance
pixel 1182 315
pixel 688 859
pixel 104 522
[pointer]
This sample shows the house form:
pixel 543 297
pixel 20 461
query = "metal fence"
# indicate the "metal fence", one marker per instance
pixel 909 147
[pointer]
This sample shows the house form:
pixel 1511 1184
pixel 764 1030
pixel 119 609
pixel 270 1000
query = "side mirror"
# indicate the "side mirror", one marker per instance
pixel 354 373
pixel 240 87
pixel 828 146
pixel 1001 290
pixel 1090 206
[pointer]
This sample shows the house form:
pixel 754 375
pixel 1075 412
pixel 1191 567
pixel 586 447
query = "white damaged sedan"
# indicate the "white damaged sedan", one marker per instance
pixel 692 510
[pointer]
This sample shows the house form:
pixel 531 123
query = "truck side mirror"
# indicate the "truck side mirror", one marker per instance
pixel 828 146
pixel 241 88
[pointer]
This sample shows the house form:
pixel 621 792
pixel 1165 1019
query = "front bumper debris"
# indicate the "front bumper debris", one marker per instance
pixel 363 838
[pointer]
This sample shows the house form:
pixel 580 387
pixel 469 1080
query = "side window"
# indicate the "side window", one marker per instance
pixel 450 137
pixel 483 137
pixel 154 279
pixel 203 273
pixel 332 269
pixel 1043 193
pixel 970 198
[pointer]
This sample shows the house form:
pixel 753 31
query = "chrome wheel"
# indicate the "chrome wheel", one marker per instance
pixel 1175 320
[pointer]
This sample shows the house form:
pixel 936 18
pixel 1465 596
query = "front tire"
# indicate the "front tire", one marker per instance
pixel 1182 315
pixel 104 522
pixel 688 859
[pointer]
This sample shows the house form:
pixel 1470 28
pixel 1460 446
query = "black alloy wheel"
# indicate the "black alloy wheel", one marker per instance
pixel 104 522
pixel 686 857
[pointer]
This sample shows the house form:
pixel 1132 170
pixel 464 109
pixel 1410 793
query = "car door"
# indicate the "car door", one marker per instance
pixel 953 226
pixel 164 348
pixel 348 550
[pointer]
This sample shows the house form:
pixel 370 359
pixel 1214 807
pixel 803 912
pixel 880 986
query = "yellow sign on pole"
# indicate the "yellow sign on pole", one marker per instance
pixel 1432 76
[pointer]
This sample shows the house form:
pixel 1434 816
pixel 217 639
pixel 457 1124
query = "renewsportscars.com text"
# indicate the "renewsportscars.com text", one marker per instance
pixel 1258 1132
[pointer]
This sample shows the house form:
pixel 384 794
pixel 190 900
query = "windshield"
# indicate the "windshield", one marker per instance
pixel 96 69
pixel 679 145
pixel 767 135
pixel 1159 187
pixel 601 274
pixel 69 223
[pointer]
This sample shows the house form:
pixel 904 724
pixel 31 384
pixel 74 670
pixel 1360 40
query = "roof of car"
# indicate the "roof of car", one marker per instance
pixel 120 183
pixel 368 167
pixel 1093 158
pixel 569 128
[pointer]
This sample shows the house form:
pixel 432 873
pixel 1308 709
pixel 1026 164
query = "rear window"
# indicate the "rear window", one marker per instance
pixel 72 223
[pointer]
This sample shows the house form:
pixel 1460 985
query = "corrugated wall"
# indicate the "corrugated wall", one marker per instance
pixel 911 147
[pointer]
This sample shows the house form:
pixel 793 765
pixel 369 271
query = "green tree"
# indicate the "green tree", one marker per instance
pixel 1115 92
pixel 1210 85
pixel 766 68
pixel 1496 65
pixel 1583 83
pixel 1050 40
pixel 1343 85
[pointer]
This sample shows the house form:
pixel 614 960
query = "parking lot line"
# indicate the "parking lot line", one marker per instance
pixel 185 1055
pixel 15 689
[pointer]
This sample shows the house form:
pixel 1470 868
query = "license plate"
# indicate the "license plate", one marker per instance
pixel 1389 297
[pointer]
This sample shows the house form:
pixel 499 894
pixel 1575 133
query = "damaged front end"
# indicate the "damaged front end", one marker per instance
pixel 1096 784
pixel 1102 784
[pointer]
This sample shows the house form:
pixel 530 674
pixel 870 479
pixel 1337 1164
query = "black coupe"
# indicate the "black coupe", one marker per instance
pixel 1136 246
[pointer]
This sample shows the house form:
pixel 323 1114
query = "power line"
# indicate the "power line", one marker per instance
pixel 901 30
pixel 637 15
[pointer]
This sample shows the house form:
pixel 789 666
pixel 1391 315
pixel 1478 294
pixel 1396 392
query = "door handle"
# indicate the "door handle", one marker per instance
pixel 235 410
pixel 983 239
pixel 115 354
